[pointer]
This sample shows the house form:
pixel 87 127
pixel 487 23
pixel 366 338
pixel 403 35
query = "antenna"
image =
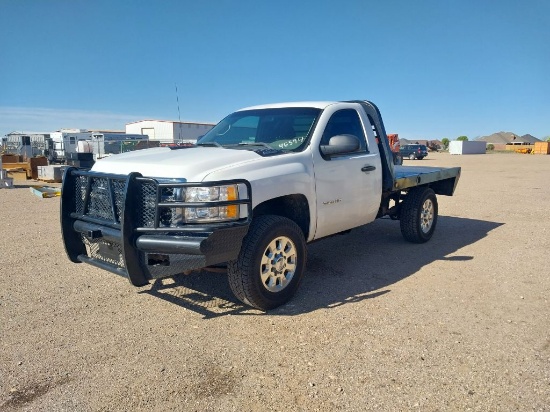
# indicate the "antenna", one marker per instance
pixel 178 102
pixel 179 116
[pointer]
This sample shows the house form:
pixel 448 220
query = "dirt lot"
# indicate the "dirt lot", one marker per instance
pixel 459 323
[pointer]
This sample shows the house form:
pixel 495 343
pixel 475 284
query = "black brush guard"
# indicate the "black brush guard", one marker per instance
pixel 118 223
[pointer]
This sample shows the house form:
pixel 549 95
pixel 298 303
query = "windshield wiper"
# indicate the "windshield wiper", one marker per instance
pixel 262 144
pixel 261 148
pixel 255 144
pixel 209 144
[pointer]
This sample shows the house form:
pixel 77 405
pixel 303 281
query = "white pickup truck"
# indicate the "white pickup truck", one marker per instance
pixel 249 195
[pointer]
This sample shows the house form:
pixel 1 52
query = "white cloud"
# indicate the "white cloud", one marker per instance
pixel 38 119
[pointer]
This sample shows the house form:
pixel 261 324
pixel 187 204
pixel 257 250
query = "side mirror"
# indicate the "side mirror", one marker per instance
pixel 340 144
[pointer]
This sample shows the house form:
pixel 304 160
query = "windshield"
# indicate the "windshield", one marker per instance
pixel 284 129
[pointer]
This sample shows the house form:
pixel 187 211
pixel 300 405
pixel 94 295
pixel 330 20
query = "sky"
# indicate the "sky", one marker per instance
pixel 435 68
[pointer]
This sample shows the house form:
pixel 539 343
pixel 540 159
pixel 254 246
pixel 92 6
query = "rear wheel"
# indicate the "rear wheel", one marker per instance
pixel 271 263
pixel 419 215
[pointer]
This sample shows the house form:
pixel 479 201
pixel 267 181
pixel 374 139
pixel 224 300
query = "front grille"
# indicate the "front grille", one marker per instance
pixel 118 187
pixel 105 199
pixel 152 205
pixel 147 204
pixel 104 215
pixel 80 193
pixel 100 201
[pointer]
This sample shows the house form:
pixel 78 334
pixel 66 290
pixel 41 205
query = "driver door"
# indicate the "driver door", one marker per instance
pixel 348 186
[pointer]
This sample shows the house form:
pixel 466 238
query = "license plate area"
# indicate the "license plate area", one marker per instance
pixel 108 251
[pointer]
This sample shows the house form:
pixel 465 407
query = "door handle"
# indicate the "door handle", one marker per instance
pixel 368 168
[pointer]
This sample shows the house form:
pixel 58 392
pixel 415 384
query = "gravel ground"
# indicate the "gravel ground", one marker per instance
pixel 459 323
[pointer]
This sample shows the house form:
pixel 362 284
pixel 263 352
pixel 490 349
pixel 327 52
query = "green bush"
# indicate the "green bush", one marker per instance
pixel 462 138
pixel 490 146
pixel 445 143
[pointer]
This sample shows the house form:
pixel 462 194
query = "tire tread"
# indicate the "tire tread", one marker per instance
pixel 410 214
pixel 241 271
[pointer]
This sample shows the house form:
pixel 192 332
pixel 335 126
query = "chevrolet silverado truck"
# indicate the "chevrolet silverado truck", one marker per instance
pixel 249 196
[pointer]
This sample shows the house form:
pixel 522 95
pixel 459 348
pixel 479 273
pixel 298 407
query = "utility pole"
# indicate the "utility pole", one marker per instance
pixel 179 116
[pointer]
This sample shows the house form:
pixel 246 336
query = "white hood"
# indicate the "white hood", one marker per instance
pixel 191 164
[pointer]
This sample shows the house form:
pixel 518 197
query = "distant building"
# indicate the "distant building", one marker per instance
pixel 169 131
pixel 503 138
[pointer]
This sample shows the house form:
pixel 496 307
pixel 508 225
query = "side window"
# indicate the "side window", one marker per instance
pixel 345 122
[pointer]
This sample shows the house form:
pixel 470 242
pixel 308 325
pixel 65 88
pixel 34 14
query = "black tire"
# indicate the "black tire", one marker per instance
pixel 419 215
pixel 271 263
pixel 412 156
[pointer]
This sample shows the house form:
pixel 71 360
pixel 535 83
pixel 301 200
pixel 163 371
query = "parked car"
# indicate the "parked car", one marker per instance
pixel 414 151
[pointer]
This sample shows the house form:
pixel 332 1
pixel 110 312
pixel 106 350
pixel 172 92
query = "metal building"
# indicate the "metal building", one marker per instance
pixel 167 131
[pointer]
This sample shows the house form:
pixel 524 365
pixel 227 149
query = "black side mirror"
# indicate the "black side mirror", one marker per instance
pixel 340 144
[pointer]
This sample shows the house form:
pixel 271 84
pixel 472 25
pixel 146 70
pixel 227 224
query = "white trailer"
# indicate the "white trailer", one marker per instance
pixel 66 141
pixel 467 147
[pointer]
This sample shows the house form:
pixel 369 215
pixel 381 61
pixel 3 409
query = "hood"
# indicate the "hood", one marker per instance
pixel 191 164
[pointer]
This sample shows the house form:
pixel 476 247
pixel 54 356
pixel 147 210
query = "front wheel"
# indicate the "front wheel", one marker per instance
pixel 271 263
pixel 419 215
pixel 412 156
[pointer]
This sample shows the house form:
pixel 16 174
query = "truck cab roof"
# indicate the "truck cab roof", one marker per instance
pixel 313 104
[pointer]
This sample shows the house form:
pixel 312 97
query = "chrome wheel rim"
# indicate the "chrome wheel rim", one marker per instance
pixel 278 264
pixel 427 216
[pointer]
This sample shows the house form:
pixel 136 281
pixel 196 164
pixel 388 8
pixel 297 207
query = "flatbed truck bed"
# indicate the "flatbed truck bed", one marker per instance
pixel 443 179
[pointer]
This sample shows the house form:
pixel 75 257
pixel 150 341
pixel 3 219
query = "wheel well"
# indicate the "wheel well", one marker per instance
pixel 293 207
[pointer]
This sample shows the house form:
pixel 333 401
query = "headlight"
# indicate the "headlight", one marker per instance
pixel 211 194
pixel 202 204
